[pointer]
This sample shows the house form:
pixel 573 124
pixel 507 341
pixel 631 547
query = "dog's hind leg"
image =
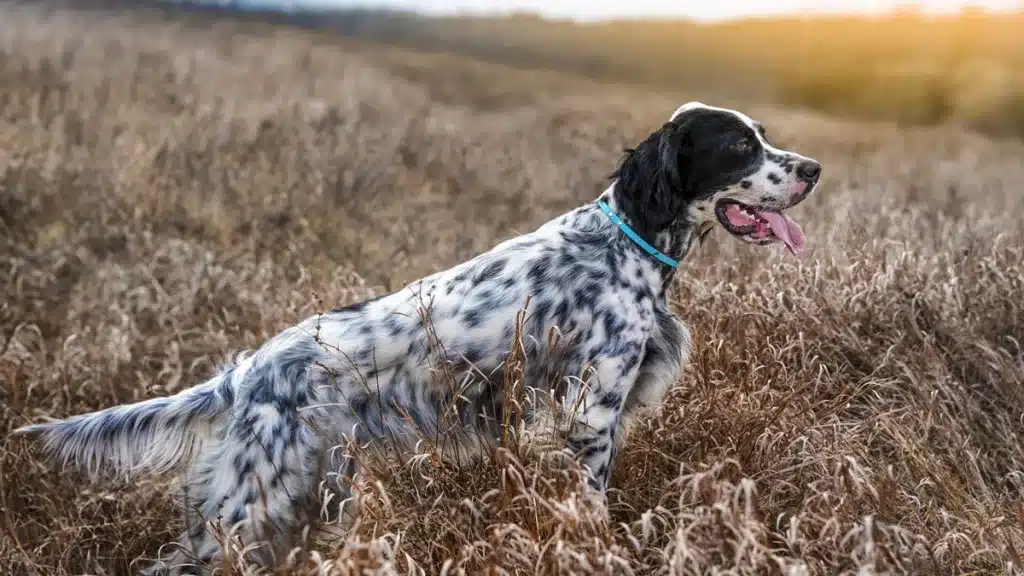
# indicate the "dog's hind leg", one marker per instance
pixel 255 490
pixel 250 498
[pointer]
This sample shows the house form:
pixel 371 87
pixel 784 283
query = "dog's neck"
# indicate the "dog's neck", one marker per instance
pixel 673 240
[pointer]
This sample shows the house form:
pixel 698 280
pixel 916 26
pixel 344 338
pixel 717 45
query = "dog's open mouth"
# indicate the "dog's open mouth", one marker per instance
pixel 760 226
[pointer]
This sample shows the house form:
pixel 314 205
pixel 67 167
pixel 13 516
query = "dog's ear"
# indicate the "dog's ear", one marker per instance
pixel 652 181
pixel 671 194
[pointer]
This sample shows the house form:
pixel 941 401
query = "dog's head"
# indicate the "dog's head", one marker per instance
pixel 708 165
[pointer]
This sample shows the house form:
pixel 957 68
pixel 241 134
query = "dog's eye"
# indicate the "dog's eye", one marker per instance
pixel 741 145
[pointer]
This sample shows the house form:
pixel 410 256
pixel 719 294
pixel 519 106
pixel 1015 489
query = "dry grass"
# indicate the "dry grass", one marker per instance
pixel 170 192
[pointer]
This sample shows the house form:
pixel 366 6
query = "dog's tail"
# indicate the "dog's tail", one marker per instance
pixel 156 436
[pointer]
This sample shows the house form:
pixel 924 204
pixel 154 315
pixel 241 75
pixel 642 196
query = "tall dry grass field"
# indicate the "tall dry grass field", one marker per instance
pixel 174 189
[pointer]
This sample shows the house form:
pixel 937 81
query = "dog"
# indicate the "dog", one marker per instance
pixel 261 431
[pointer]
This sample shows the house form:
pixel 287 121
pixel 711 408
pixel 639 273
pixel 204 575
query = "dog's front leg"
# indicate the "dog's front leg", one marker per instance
pixel 596 409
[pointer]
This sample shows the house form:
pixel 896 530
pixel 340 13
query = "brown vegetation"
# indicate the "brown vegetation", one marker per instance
pixel 966 69
pixel 171 190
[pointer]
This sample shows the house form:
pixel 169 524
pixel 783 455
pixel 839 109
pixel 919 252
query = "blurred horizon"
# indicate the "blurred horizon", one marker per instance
pixel 911 67
pixel 585 11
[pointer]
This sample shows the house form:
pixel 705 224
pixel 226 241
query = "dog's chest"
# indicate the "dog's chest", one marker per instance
pixel 666 353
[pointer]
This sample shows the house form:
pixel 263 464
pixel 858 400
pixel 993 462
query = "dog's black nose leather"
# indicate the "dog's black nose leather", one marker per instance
pixel 808 170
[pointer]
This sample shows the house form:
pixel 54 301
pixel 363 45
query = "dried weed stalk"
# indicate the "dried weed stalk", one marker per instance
pixel 172 188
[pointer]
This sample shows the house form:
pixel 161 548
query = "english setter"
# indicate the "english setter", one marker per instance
pixel 261 431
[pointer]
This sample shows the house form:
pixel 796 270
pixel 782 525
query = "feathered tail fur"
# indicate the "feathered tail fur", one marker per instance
pixel 155 436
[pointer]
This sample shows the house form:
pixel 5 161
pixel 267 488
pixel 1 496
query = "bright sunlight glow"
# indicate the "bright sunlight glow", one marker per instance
pixel 704 11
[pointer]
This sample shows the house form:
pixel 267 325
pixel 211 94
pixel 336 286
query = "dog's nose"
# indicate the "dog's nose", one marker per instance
pixel 808 171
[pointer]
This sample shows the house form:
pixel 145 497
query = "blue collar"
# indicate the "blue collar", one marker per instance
pixel 636 237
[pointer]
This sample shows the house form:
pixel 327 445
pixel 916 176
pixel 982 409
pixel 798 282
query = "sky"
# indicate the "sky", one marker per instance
pixel 702 10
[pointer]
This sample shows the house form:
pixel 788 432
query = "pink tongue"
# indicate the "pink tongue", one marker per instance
pixel 785 229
